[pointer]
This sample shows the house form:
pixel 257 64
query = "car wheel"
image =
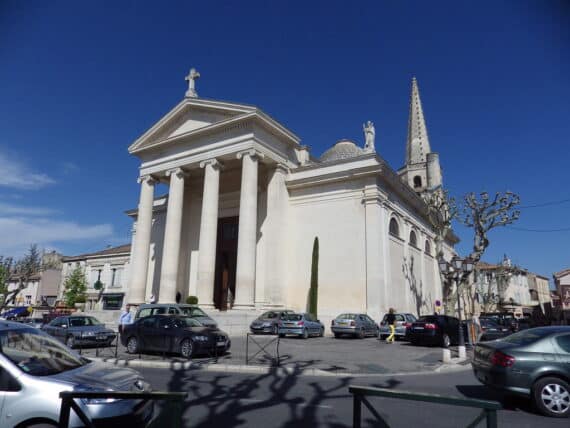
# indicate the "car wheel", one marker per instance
pixel 132 345
pixel 281 335
pixel 361 334
pixel 322 333
pixel 382 336
pixel 187 348
pixel 40 425
pixel 305 334
pixel 70 342
pixel 445 341
pixel 414 342
pixel 336 335
pixel 552 397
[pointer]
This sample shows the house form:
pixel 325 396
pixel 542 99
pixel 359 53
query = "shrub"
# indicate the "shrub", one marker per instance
pixel 192 300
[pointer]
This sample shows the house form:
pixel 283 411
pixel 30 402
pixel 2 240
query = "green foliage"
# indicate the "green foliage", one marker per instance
pixel 98 285
pixel 314 290
pixel 80 299
pixel 75 287
pixel 192 300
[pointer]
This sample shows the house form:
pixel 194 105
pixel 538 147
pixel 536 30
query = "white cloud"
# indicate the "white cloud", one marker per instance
pixel 11 210
pixel 17 234
pixel 17 175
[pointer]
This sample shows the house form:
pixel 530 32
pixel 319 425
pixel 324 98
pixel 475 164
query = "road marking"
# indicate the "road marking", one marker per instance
pixel 255 400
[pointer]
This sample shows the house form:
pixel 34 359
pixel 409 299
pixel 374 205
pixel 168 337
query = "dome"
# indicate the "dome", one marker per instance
pixel 344 149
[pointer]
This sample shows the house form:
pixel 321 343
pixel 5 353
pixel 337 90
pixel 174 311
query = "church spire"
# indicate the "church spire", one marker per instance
pixel 417 145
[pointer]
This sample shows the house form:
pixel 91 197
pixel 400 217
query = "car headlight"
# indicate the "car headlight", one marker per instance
pixel 95 400
pixel 201 338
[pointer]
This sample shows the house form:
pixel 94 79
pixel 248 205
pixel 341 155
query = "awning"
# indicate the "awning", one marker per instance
pixel 16 312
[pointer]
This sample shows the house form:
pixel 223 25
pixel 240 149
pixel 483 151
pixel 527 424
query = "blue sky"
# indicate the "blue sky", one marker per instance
pixel 80 81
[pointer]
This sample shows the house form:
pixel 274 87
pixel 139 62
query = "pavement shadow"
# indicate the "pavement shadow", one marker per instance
pixel 509 402
pixel 227 405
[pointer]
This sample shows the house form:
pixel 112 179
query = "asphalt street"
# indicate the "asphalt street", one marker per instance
pixel 268 400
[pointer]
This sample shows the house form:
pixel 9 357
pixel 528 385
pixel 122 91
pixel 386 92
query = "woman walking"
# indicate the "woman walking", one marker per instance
pixel 391 321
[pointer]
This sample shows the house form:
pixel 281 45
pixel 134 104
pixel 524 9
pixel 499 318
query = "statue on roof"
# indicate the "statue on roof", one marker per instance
pixel 369 136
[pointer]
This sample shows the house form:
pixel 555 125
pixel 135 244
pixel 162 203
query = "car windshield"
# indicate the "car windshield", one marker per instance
pixel 36 353
pixel 526 337
pixel 428 318
pixel 184 322
pixel 269 315
pixel 488 323
pixel 83 321
pixel 293 317
pixel 346 317
pixel 193 312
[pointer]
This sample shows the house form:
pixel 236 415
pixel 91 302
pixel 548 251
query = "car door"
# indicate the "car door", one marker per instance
pixel 148 332
pixel 60 329
pixel 371 325
pixel 9 393
pixel 167 334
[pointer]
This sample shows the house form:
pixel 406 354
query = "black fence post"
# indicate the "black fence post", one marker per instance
pixel 356 411
pixel 64 412
pixel 246 349
pixel 278 357
pixel 116 345
pixel 491 418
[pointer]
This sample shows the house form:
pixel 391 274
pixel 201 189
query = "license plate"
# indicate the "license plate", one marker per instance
pixel 418 328
pixel 101 337
pixel 221 343
pixel 341 323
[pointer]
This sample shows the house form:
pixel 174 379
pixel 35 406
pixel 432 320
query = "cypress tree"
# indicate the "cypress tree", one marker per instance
pixel 314 290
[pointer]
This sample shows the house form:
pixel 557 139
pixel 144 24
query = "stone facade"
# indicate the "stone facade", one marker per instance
pixel 246 201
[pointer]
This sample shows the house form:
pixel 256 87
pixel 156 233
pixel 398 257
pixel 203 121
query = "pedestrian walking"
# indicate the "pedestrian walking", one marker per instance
pixel 125 318
pixel 391 321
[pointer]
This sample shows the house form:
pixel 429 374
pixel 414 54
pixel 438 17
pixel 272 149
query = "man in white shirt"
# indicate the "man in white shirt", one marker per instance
pixel 125 318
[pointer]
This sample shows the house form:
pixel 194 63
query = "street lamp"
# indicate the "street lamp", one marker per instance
pixel 456 270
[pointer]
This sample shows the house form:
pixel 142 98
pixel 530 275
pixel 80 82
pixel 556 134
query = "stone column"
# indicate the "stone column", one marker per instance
pixel 247 233
pixel 276 236
pixel 141 247
pixel 208 232
pixel 172 232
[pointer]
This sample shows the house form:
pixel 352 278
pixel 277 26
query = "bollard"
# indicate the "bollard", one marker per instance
pixel 462 353
pixel 446 356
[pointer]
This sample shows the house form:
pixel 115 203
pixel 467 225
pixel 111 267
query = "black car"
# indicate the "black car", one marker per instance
pixel 440 330
pixel 174 334
pixel 268 322
pixel 490 330
pixel 534 363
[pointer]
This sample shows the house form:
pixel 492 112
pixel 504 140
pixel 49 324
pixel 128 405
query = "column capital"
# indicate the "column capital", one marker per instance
pixel 252 153
pixel 149 179
pixel 179 172
pixel 281 167
pixel 216 164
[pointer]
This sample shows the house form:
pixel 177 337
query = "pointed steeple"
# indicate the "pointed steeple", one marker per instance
pixel 417 145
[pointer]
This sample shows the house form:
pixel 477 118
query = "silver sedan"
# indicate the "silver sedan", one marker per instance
pixel 403 321
pixel 359 325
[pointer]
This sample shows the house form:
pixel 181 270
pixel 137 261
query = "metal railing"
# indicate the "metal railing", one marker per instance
pixel 68 403
pixel 488 408
pixel 262 348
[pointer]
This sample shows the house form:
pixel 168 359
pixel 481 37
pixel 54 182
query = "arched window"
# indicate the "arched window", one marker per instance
pixel 427 247
pixel 413 239
pixel 394 227
pixel 417 181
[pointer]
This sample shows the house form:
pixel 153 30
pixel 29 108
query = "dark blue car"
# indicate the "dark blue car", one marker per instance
pixel 79 330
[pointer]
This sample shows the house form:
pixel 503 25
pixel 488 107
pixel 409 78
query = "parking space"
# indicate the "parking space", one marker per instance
pixel 344 355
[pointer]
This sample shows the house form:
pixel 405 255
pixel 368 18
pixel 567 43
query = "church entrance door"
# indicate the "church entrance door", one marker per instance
pixel 226 262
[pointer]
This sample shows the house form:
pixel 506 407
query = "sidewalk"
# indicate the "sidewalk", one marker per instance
pixel 316 356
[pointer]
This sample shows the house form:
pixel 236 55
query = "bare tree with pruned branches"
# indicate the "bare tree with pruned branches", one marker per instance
pixel 22 270
pixel 442 210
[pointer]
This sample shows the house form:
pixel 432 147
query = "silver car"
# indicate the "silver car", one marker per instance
pixel 79 330
pixel 358 325
pixel 268 322
pixel 191 311
pixel 403 321
pixel 35 368
pixel 303 325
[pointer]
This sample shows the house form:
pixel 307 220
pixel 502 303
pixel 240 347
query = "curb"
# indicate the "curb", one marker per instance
pixel 277 371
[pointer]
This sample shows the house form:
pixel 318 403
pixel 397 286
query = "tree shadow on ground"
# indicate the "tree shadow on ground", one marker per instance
pixel 227 405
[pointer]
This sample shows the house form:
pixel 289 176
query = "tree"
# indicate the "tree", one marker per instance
pixel 314 290
pixel 75 287
pixel 442 210
pixel 22 270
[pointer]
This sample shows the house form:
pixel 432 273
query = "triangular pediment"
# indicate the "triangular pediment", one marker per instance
pixel 190 115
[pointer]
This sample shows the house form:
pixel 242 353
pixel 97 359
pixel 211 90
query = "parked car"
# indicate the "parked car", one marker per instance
pixel 32 322
pixel 490 330
pixel 403 322
pixel 174 334
pixel 440 330
pixel 166 308
pixel 302 324
pixel 35 368
pixel 80 330
pixel 534 363
pixel 268 322
pixel 358 325
pixel 504 319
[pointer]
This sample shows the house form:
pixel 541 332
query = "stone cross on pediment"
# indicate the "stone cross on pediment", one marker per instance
pixel 191 79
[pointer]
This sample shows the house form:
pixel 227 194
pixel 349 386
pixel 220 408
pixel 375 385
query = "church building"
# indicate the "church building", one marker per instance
pixel 246 200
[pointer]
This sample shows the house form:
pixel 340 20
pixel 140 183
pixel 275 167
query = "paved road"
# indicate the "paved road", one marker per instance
pixel 231 400
pixel 346 355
